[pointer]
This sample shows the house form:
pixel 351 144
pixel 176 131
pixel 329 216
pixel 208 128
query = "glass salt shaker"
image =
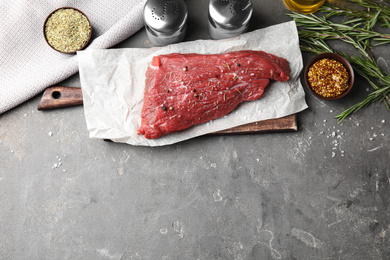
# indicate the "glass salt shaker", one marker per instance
pixel 228 18
pixel 165 21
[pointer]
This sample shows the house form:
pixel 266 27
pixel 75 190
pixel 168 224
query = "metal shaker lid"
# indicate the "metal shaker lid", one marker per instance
pixel 231 13
pixel 165 16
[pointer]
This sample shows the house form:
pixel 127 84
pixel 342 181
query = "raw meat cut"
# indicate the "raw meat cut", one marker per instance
pixel 182 90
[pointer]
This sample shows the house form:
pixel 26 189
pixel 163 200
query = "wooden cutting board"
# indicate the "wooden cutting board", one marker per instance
pixel 60 97
pixel 283 124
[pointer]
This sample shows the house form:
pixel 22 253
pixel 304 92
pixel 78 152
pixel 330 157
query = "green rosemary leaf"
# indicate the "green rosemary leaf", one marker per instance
pixel 372 21
pixel 356 22
pixel 386 22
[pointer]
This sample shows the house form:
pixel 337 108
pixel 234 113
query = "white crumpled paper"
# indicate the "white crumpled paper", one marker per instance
pixel 113 84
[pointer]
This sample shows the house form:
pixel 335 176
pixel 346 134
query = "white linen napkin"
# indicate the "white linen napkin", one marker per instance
pixel 28 64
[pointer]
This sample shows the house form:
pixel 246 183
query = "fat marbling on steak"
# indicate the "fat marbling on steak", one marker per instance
pixel 182 90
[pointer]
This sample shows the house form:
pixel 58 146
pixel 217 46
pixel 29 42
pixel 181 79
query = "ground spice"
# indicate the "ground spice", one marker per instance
pixel 67 30
pixel 328 78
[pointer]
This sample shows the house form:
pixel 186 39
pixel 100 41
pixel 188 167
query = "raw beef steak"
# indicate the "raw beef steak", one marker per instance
pixel 182 90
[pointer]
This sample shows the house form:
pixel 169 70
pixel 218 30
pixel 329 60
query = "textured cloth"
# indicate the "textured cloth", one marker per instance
pixel 28 64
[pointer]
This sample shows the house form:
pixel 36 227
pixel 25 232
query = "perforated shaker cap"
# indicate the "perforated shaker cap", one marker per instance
pixel 165 16
pixel 230 14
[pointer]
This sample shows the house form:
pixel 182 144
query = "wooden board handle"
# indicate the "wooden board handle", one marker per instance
pixel 59 97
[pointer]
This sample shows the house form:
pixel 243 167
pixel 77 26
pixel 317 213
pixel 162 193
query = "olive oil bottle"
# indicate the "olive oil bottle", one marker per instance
pixel 304 6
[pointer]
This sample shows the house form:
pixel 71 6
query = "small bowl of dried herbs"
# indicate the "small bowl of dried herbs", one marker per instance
pixel 329 76
pixel 67 30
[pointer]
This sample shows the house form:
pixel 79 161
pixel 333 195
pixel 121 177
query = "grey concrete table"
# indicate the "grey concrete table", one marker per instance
pixel 320 193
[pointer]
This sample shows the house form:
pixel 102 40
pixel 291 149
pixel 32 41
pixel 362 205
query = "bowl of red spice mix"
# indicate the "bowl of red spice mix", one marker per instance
pixel 329 76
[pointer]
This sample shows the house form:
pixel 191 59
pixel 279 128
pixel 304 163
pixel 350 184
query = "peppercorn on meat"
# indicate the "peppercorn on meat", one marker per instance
pixel 182 90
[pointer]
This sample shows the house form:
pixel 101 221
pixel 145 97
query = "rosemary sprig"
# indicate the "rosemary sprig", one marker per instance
pixel 372 97
pixel 371 5
pixel 366 10
pixel 324 28
pixel 357 31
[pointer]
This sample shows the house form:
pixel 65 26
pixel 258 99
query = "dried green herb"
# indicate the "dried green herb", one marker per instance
pixel 67 30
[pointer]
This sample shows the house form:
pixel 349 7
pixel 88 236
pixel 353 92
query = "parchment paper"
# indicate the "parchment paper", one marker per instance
pixel 113 81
